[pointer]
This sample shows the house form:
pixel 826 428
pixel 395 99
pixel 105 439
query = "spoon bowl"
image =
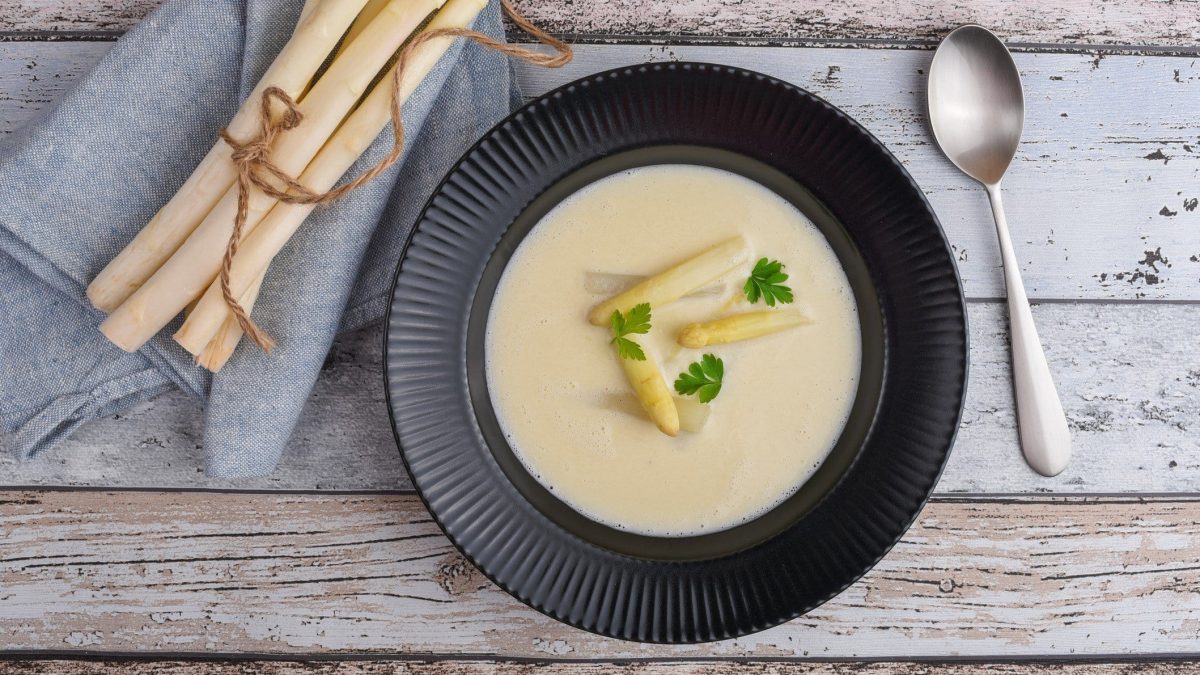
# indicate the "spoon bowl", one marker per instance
pixel 976 106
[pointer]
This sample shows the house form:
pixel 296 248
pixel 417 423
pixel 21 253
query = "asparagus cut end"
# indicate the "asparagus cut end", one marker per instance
pixel 693 415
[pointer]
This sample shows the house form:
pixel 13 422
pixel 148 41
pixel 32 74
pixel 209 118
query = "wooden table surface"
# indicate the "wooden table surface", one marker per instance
pixel 115 546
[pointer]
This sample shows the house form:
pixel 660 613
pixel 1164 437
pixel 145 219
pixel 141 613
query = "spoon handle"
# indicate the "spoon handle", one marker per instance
pixel 1045 439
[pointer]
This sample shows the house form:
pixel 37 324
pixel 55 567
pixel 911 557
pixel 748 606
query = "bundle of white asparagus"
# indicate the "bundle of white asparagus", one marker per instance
pixel 175 262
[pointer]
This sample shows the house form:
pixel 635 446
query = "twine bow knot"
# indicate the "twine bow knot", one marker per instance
pixel 258 149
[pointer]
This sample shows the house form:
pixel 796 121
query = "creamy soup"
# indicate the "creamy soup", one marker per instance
pixel 564 401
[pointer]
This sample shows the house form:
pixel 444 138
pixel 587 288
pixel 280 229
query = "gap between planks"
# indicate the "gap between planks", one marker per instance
pixel 1079 25
pixel 178 573
pixel 450 665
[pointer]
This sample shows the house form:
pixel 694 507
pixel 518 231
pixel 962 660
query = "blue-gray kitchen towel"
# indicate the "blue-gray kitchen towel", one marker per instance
pixel 79 183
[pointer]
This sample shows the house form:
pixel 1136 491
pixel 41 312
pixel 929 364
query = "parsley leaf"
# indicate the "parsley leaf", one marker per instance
pixel 628 349
pixel 766 281
pixel 635 322
pixel 702 378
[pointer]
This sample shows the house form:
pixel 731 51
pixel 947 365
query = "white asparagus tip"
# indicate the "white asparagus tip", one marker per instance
pixel 740 327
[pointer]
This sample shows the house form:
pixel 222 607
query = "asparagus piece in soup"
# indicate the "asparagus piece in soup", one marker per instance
pixel 611 283
pixel 652 392
pixel 740 327
pixel 678 281
pixel 693 414
pixel 643 374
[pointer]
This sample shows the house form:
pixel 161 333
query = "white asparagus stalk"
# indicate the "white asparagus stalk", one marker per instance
pixel 315 36
pixel 611 283
pixel 693 414
pixel 353 138
pixel 651 389
pixel 309 6
pixel 365 17
pixel 740 327
pixel 195 264
pixel 676 282
pixel 306 10
pixel 218 351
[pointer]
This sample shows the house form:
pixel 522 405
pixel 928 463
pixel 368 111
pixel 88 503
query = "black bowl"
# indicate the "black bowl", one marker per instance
pixel 841 521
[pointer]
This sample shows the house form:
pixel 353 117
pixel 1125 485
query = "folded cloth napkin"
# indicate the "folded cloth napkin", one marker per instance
pixel 78 184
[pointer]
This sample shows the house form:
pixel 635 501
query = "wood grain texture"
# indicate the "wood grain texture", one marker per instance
pixel 1129 376
pixel 868 22
pixel 1074 22
pixel 280 574
pixel 117 667
pixel 34 76
pixel 46 18
pixel 1101 198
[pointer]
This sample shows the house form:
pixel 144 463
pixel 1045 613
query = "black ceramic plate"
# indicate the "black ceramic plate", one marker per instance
pixel 843 520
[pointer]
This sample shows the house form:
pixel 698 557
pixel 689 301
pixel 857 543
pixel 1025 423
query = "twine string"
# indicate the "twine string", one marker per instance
pixel 253 157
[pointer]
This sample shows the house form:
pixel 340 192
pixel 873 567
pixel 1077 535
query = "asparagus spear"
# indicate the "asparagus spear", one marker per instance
pixel 189 271
pixel 652 392
pixel 739 327
pixel 610 283
pixel 321 25
pixel 351 140
pixel 678 281
pixel 693 414
pixel 365 17
pixel 220 348
pixel 306 10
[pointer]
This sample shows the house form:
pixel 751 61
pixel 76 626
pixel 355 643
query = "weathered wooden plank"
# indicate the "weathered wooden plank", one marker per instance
pixel 1072 23
pixel 1102 196
pixel 1129 377
pixel 1076 22
pixel 278 573
pixel 67 17
pixel 33 76
pixel 117 667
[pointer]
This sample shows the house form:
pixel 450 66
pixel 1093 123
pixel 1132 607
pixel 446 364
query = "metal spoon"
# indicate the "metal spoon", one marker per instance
pixel 977 109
